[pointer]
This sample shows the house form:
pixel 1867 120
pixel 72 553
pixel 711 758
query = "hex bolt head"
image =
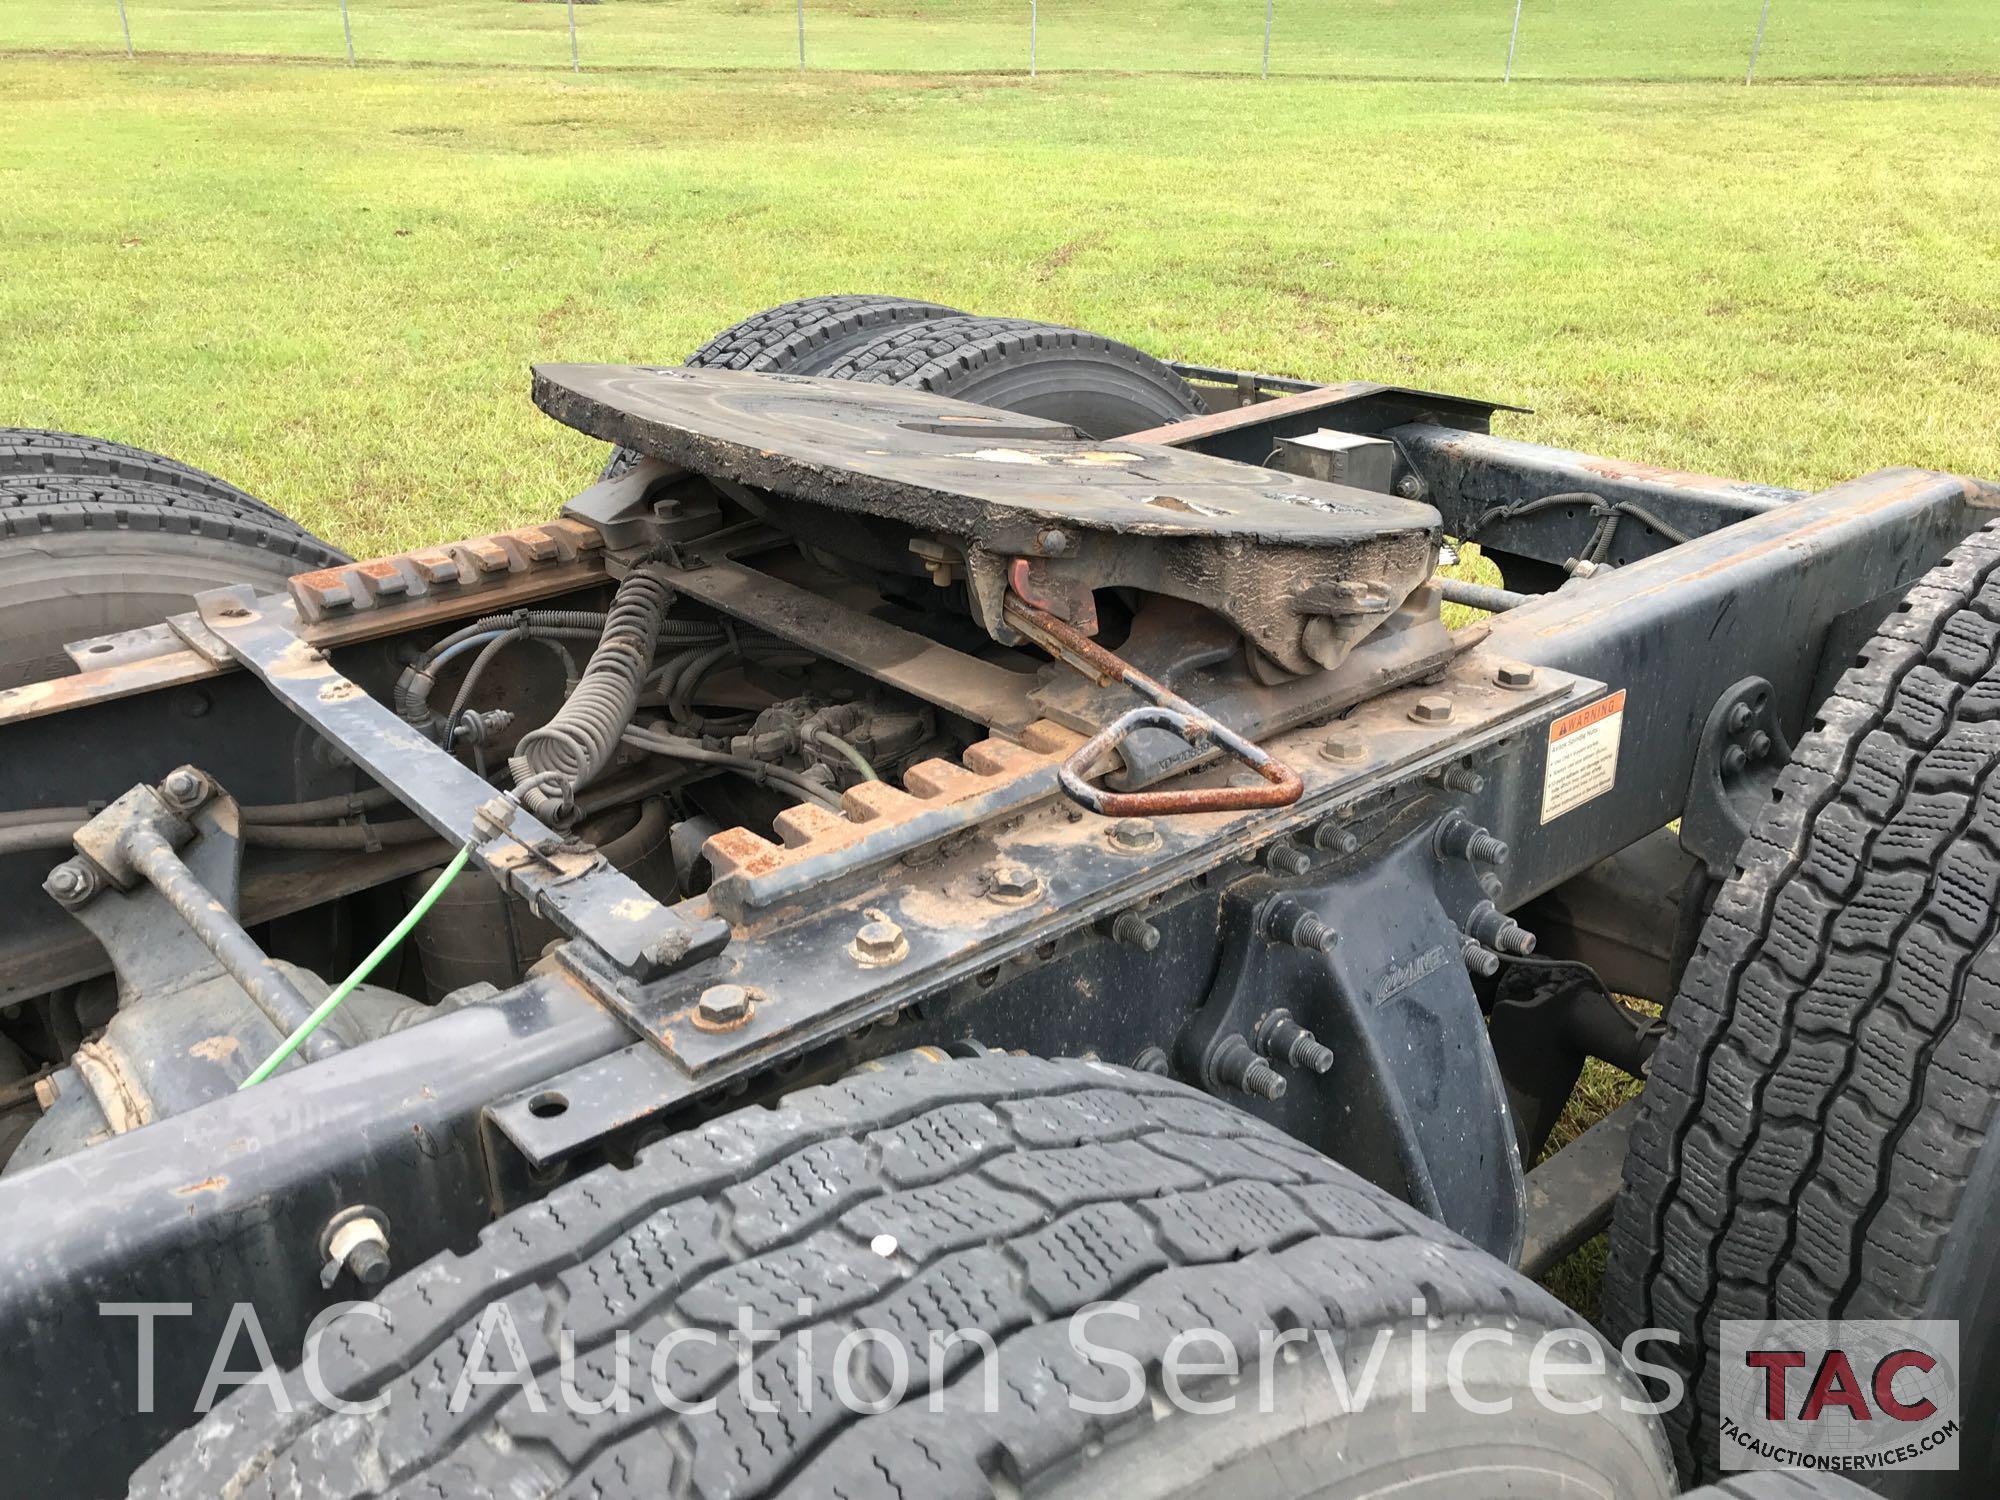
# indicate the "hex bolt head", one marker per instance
pixel 724 1005
pixel 72 882
pixel 1410 487
pixel 1432 708
pixel 1514 675
pixel 1739 718
pixel 1734 760
pixel 1344 749
pixel 1013 883
pixel 1760 745
pixel 879 942
pixel 1133 835
pixel 183 787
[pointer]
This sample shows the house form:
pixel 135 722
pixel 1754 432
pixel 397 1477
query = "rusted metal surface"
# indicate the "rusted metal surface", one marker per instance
pixel 473 566
pixel 336 607
pixel 938 799
pixel 978 690
pixel 862 471
pixel 1169 711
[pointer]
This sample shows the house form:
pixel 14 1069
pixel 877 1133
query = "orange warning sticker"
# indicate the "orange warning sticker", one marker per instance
pixel 1583 755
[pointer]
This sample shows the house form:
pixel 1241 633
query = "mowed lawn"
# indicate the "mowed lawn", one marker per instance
pixel 1387 38
pixel 328 284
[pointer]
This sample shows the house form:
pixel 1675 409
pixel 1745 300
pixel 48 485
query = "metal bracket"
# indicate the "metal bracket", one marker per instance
pixel 575 889
pixel 1743 748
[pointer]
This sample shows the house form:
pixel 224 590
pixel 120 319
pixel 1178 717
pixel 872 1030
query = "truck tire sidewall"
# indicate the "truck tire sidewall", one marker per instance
pixel 1102 398
pixel 1967 1292
pixel 67 586
pixel 1315 1444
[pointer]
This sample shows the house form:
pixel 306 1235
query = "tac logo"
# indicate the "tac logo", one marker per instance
pixel 1858 1395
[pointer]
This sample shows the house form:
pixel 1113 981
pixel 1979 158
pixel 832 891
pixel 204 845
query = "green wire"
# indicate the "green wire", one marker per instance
pixel 362 970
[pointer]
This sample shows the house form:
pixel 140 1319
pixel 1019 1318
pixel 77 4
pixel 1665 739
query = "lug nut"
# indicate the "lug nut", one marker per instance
pixel 1133 835
pixel 1013 884
pixel 72 882
pixel 1287 859
pixel 1286 921
pixel 879 942
pixel 1515 675
pixel 1239 1067
pixel 1432 708
pixel 724 1005
pixel 1344 749
pixel 1335 837
pixel 1135 931
pixel 1482 960
pixel 1285 1039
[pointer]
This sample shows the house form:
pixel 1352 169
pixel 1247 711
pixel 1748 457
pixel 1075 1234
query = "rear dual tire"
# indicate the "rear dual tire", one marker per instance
pixel 1099 386
pixel 97 537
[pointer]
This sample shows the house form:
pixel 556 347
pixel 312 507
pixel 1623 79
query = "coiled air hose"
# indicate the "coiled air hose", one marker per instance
pixel 577 743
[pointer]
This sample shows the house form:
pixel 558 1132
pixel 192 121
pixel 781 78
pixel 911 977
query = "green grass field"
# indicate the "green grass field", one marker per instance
pixel 1390 38
pixel 328 284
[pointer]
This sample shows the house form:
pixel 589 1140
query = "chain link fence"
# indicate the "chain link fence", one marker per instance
pixel 1511 40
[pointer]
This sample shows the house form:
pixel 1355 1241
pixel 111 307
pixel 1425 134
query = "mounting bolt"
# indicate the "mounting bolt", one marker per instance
pixel 1286 859
pixel 1739 718
pixel 1053 543
pixel 668 949
pixel 1344 749
pixel 1133 835
pixel 1458 837
pixel 1515 675
pixel 1237 1065
pixel 356 1241
pixel 1457 778
pixel 1479 958
pixel 1286 921
pixel 1432 708
pixel 1285 1039
pixel 1152 1060
pixel 1410 487
pixel 1498 931
pixel 73 882
pixel 1760 745
pixel 1734 760
pixel 184 789
pixel 880 942
pixel 1135 931
pixel 1335 837
pixel 1012 884
pixel 723 1006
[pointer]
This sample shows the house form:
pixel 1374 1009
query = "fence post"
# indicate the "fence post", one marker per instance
pixel 1031 38
pixel 1758 45
pixel 575 65
pixel 1267 38
pixel 347 31
pixel 126 26
pixel 802 35
pixel 1513 37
